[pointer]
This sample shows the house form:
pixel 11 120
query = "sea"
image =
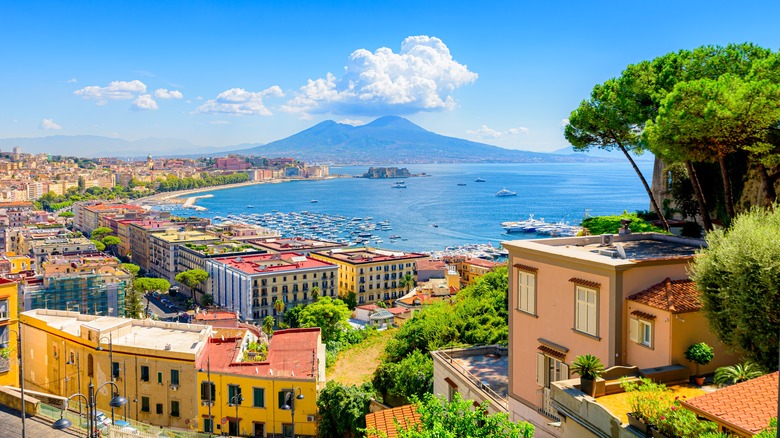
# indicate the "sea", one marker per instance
pixel 437 211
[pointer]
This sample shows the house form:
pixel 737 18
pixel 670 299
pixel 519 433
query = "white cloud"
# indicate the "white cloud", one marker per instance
pixel 518 130
pixel 49 124
pixel 114 90
pixel 421 77
pixel 144 102
pixel 351 122
pixel 162 93
pixel 238 101
pixel 72 80
pixel 485 132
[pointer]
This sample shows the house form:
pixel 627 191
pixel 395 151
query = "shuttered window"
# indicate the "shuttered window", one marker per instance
pixel 585 317
pixel 526 292
pixel 641 331
pixel 550 369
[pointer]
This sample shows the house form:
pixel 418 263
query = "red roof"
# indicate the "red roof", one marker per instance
pixel 291 353
pixel 676 296
pixel 747 406
pixel 431 265
pixel 398 310
pixel 267 263
pixel 214 316
pixel 385 420
pixel 483 263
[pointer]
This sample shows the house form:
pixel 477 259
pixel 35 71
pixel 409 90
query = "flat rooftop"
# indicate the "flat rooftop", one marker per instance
pixel 621 250
pixel 124 332
pixel 224 248
pixel 369 255
pixel 296 244
pixel 269 263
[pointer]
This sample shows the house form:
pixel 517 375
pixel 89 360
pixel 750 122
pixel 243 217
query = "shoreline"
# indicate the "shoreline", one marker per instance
pixel 171 197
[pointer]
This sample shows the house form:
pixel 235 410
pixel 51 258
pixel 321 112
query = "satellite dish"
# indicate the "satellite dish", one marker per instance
pixel 621 252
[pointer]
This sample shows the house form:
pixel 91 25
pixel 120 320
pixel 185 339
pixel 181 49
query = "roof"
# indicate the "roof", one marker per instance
pixel 291 353
pixel 296 244
pixel 482 263
pixel 676 296
pixel 747 406
pixel 215 315
pixel 270 263
pixel 369 255
pixel 385 420
pixel 431 265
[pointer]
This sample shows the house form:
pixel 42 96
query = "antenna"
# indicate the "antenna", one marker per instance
pixel 620 250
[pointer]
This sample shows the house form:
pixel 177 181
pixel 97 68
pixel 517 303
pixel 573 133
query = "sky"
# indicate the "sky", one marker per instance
pixel 219 73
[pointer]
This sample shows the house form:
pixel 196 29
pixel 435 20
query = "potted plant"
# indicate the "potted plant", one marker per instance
pixel 590 368
pixel 647 401
pixel 700 354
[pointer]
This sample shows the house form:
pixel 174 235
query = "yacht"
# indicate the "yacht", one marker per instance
pixel 527 226
pixel 313 201
pixel 504 192
pixel 399 185
pixel 461 184
pixel 479 180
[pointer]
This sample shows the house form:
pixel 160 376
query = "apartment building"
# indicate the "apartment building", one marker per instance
pixel 300 245
pixel 164 249
pixel 250 285
pixel 9 318
pixel 194 255
pixel 371 274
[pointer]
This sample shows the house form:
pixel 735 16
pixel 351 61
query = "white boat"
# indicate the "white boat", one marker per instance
pixel 399 185
pixel 504 192
pixel 527 226
pixel 479 180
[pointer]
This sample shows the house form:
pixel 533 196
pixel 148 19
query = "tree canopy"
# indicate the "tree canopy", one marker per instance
pixel 738 276
pixel 328 314
pixel 147 284
pixel 343 409
pixel 192 278
pixel 100 232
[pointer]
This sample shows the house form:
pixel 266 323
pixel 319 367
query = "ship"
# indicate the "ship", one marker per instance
pixel 504 192
pixel 479 180
pixel 399 185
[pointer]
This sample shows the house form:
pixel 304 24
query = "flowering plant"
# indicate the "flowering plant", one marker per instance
pixel 648 400
pixel 677 421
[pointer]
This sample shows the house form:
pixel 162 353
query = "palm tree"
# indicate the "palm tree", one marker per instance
pixel 408 282
pixel 740 372
pixel 315 294
pixel 279 307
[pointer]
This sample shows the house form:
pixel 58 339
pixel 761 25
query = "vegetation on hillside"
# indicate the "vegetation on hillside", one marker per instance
pixel 612 224
pixel 172 183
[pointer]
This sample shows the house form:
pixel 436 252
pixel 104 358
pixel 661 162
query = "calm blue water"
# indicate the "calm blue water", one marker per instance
pixel 463 214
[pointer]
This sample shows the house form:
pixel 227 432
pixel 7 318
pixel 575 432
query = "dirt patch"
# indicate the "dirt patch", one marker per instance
pixel 357 364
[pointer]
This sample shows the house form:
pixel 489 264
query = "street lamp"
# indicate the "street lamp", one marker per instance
pixel 289 405
pixel 116 402
pixel 110 361
pixel 236 401
pixel 211 396
pixel 18 332
pixel 78 373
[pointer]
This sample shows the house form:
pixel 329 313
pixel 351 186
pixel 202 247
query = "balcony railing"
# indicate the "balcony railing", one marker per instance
pixel 493 395
pixel 5 365
pixel 545 403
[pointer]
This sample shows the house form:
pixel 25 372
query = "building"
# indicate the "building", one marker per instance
pixel 371 274
pixel 472 268
pixel 292 373
pixel 243 232
pixel 41 249
pixel 250 285
pixel 743 409
pixel 92 284
pixel 386 421
pixel 478 373
pixel 568 296
pixel 435 289
pixel 296 244
pixel 9 319
pixel 194 256
pixel 86 216
pixel 164 249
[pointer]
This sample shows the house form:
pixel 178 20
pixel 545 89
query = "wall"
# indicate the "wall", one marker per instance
pixel 691 328
pixel 660 354
pixel 447 374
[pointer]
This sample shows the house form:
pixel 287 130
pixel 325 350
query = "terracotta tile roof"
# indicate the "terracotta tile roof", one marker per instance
pixel 584 282
pixel 747 406
pixel 482 263
pixel 431 265
pixel 643 315
pixel 525 267
pixel 385 420
pixel 551 352
pixel 676 296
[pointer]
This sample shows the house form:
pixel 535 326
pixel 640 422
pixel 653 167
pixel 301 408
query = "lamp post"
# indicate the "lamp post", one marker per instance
pixel 289 405
pixel 236 401
pixel 18 332
pixel 110 361
pixel 210 399
pixel 78 373
pixel 116 402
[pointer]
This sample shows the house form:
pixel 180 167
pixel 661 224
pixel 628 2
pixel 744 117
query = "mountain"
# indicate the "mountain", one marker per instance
pixel 601 153
pixel 97 146
pixel 391 139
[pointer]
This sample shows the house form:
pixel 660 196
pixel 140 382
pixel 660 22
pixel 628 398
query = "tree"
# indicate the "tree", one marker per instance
pixel 406 380
pixel 738 276
pixel 740 372
pixel 100 246
pixel 292 316
pixel 315 293
pixel 131 268
pixel 134 308
pixel 100 232
pixel 460 418
pixel 343 409
pixel 67 214
pixel 111 243
pixel 329 315
pixel 408 282
pixel 147 284
pixel 268 325
pixel 192 278
pixel 279 307
pixel 207 300
pixel 611 119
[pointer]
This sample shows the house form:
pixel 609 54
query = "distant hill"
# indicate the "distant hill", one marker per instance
pixel 601 153
pixel 392 139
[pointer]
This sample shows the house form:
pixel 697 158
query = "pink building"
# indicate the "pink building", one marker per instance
pixel 568 297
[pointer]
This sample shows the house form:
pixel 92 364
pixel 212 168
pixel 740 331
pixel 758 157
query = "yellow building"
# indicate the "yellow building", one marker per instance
pixel 371 274
pixel 9 317
pixel 18 263
pixel 291 374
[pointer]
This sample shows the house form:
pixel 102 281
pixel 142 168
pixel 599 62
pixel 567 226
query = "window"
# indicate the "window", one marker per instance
pixel 144 404
pixel 159 377
pixel 174 408
pixel 3 309
pixel 641 331
pixel 526 292
pixel 4 335
pixel 174 377
pixel 144 373
pixel 90 366
pixel 287 430
pixel 550 369
pixel 283 395
pixel 234 394
pixel 159 408
pixel 115 370
pixel 207 390
pixel 258 397
pixel 585 311
pixel 208 425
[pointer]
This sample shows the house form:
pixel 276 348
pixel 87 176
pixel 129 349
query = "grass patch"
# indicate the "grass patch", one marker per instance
pixel 356 364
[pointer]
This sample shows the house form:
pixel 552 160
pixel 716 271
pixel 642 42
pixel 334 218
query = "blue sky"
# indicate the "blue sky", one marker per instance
pixel 222 73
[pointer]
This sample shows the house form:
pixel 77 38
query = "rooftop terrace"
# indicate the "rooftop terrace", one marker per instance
pixel 268 263
pixel 369 255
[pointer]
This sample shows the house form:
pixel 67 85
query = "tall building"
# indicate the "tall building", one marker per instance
pixel 164 249
pixel 9 318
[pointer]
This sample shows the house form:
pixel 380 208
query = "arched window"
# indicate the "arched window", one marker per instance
pixel 90 366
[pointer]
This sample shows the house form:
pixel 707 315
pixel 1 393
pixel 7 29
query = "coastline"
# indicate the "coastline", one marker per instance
pixel 173 197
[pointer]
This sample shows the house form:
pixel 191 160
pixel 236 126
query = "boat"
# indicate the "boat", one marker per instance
pixel 527 226
pixel 461 184
pixel 399 185
pixel 479 180
pixel 504 192
pixel 394 236
pixel 250 206
pixel 313 201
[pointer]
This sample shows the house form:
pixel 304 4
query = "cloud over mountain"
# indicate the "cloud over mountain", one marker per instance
pixel 48 124
pixel 144 102
pixel 421 77
pixel 114 91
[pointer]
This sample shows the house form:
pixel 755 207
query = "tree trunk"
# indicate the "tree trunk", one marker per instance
pixel 769 185
pixel 656 208
pixel 724 174
pixel 703 210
